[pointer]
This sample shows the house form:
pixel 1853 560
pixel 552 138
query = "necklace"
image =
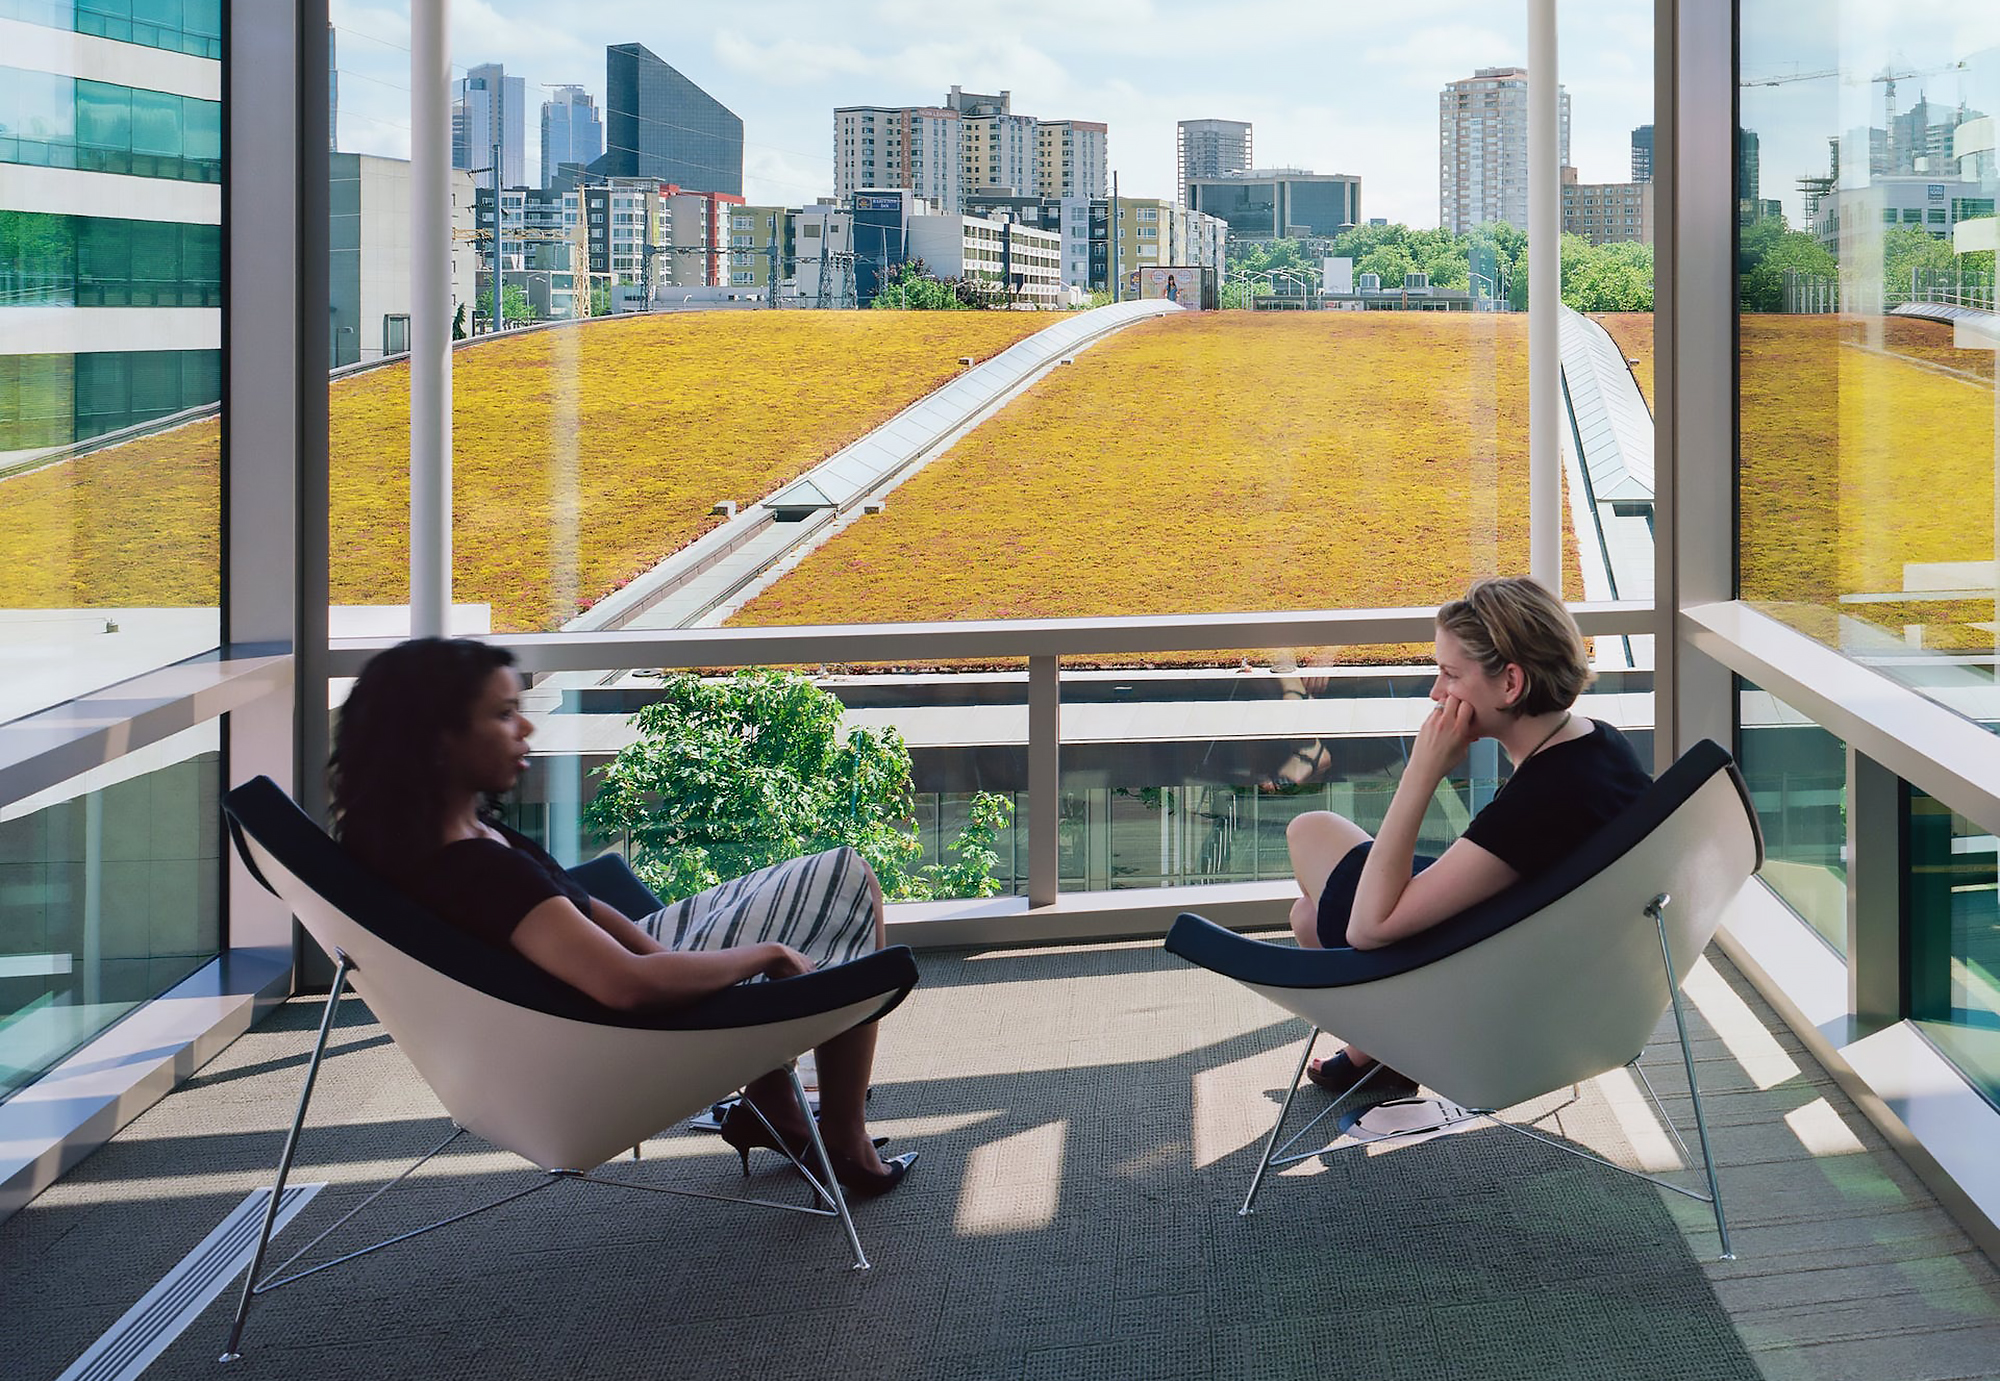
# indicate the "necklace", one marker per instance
pixel 1561 724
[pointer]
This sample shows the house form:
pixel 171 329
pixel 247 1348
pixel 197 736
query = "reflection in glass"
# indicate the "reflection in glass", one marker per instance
pixel 1166 780
pixel 1866 186
pixel 109 895
pixel 110 355
pixel 1797 775
pixel 1955 938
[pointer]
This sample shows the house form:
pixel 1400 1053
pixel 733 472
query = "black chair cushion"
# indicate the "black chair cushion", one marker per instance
pixel 1202 942
pixel 260 809
pixel 610 879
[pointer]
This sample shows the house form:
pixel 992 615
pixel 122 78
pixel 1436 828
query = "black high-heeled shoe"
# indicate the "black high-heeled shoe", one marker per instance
pixel 870 1184
pixel 746 1132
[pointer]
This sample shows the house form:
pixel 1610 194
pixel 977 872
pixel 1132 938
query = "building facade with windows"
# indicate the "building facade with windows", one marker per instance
pixel 660 125
pixel 1607 212
pixel 1483 148
pixel 571 131
pixel 489 118
pixel 1280 203
pixel 1075 158
pixel 919 148
pixel 1210 149
pixel 368 252
pixel 1021 264
pixel 111 171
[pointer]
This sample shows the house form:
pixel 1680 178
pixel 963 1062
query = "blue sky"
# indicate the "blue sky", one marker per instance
pixel 1349 88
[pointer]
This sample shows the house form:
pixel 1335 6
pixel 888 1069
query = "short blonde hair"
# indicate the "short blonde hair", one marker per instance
pixel 1513 620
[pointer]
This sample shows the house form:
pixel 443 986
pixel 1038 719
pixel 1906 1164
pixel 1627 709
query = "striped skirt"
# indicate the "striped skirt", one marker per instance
pixel 819 905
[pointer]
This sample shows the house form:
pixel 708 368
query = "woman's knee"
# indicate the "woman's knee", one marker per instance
pixel 1305 923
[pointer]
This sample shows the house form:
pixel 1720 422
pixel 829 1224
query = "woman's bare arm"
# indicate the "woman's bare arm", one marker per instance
pixel 1390 903
pixel 626 932
pixel 584 953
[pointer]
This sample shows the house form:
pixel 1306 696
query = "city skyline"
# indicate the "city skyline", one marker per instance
pixel 768 61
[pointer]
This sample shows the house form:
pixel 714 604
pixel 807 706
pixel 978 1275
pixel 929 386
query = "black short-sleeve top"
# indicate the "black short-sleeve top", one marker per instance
pixel 485 887
pixel 1558 798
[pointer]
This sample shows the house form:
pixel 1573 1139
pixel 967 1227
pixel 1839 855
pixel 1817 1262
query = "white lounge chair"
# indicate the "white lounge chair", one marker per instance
pixel 1557 980
pixel 518 1057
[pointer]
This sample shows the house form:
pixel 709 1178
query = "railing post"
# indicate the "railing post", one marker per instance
pixel 1044 778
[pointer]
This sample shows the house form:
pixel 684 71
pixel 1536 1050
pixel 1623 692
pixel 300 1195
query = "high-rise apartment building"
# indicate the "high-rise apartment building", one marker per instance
pixel 1209 148
pixel 488 125
pixel 1483 148
pixel 571 131
pixel 943 154
pixel 918 148
pixel 1642 154
pixel 998 148
pixel 111 194
pixel 1074 158
pixel 660 125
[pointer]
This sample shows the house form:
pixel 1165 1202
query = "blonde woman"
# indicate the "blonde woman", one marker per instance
pixel 1511 665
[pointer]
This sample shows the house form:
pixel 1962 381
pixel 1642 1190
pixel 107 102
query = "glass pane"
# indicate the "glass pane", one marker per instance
pixel 1866 185
pixel 156 123
pixel 110 435
pixel 1167 780
pixel 109 895
pixel 1797 775
pixel 761 403
pixel 104 115
pixel 1955 938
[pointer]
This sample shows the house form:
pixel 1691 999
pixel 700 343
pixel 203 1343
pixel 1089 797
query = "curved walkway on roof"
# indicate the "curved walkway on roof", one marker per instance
pixel 712 574
pixel 1608 457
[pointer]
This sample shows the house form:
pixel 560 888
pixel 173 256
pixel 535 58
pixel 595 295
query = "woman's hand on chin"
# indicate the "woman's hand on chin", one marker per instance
pixel 1443 739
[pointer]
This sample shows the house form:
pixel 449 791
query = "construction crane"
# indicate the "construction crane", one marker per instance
pixel 1888 76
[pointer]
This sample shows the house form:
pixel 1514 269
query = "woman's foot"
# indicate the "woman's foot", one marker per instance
pixel 1339 1075
pixel 870 1182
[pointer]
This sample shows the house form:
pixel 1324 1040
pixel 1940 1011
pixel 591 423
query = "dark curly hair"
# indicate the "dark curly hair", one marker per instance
pixel 385 773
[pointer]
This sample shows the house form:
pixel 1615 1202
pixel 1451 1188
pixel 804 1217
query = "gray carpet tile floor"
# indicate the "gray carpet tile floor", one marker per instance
pixel 1088 1118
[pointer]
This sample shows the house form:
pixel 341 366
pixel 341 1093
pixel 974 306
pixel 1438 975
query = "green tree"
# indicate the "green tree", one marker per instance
pixel 729 776
pixel 514 303
pixel 911 286
pixel 458 323
pixel 1765 252
pixel 1910 254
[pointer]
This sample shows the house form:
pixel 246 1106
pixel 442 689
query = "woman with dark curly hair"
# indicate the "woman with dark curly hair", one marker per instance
pixel 1510 665
pixel 432 734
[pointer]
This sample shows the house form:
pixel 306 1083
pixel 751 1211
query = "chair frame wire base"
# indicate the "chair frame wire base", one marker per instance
pixel 829 1201
pixel 1280 1154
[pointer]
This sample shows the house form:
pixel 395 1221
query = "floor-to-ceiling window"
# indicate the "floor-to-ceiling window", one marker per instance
pixel 1867 457
pixel 111 333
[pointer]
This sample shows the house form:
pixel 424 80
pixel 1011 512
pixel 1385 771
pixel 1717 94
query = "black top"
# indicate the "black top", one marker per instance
pixel 1559 798
pixel 485 887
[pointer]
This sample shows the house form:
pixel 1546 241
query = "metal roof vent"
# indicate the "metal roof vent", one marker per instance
pixel 798 501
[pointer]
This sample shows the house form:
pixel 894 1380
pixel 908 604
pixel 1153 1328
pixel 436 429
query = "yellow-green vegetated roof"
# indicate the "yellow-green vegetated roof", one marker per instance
pixel 581 457
pixel 1215 463
pixel 1867 443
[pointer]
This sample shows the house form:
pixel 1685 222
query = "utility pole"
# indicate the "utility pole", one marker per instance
pixel 771 253
pixel 499 320
pixel 1116 219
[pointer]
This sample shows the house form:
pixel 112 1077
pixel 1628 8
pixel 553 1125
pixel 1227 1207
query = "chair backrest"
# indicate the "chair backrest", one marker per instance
pixel 515 1055
pixel 1554 981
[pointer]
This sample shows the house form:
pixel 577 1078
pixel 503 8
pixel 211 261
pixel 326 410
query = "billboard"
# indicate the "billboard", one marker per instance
pixel 1175 282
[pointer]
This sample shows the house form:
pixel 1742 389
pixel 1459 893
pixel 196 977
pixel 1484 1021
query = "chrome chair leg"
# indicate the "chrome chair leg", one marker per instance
pixel 1271 1146
pixel 833 1189
pixel 229 1353
pixel 1657 909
